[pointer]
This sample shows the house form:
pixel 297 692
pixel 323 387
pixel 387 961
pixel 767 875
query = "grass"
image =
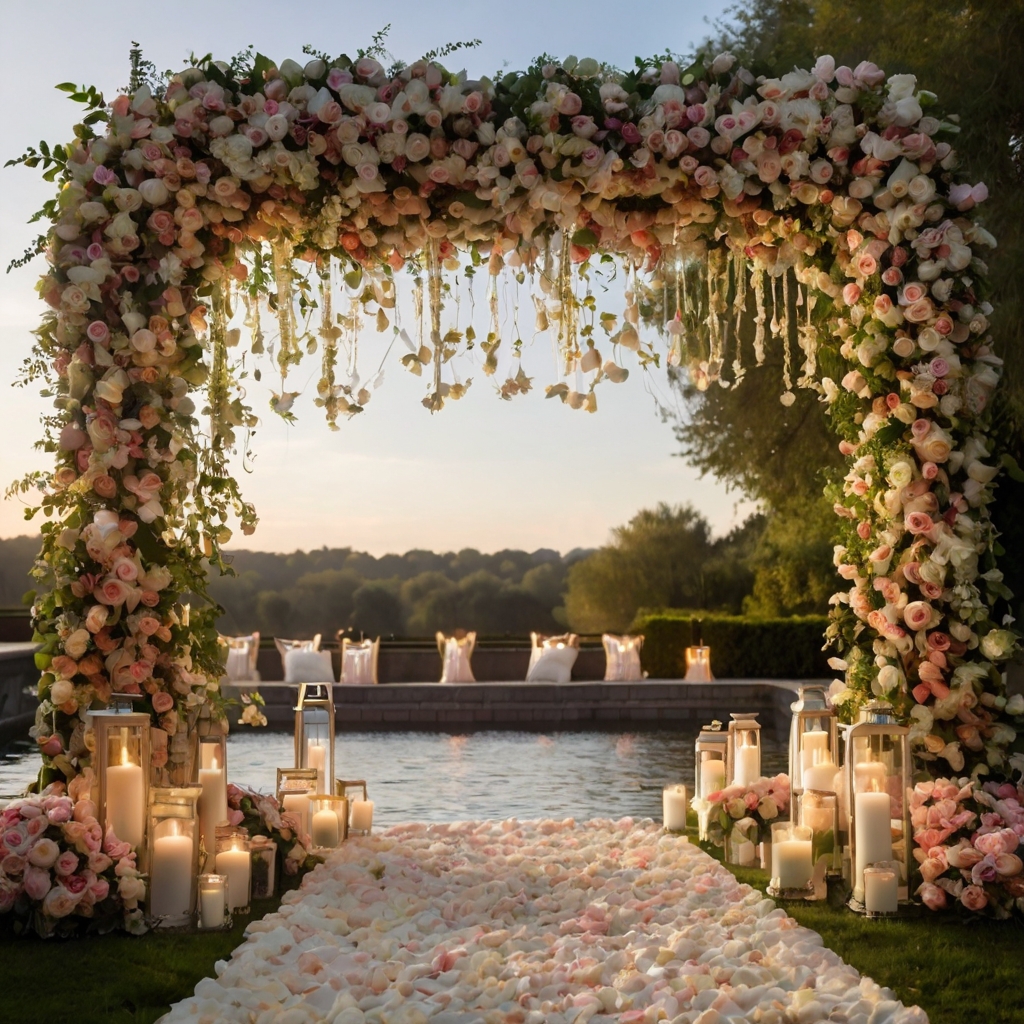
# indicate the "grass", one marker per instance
pixel 958 972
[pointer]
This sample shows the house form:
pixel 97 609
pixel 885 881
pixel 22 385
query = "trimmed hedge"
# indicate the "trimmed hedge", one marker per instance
pixel 741 647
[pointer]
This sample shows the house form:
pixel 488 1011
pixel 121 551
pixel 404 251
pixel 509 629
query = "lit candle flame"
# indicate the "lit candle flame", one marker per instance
pixel 124 754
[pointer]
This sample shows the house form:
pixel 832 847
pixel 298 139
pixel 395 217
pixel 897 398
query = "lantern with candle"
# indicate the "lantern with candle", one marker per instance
pixel 173 855
pixel 213 902
pixel 709 770
pixel 295 786
pixel 813 744
pixel 360 815
pixel 234 862
pixel 743 749
pixel 314 732
pixel 329 822
pixel 264 867
pixel 877 783
pixel 121 767
pixel 792 864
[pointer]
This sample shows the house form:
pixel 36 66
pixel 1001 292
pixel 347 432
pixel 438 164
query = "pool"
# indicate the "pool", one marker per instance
pixel 435 777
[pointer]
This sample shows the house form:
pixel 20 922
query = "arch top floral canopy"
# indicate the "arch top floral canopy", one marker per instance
pixel 827 201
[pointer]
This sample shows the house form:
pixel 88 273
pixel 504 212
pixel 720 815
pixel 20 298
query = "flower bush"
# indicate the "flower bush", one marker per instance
pixel 59 873
pixel 968 845
pixel 762 802
pixel 827 200
pixel 262 816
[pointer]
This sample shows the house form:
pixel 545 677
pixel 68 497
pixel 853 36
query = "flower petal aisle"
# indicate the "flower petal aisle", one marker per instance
pixel 533 922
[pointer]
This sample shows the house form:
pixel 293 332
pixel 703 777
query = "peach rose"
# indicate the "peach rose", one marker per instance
pixel 973 898
pixel 113 592
pixel 162 702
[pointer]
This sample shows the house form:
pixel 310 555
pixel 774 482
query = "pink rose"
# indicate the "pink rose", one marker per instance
pixel 932 896
pixel 99 890
pixel 973 898
pixel 851 293
pixel 919 522
pixel 113 592
pixel 917 615
pixel 76 884
pixel 1005 840
pixel 114 847
pixel 162 702
pixel 37 882
pixel 60 811
pixel 913 292
pixel 66 863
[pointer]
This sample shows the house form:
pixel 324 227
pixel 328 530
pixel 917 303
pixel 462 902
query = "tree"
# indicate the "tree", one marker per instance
pixel 663 558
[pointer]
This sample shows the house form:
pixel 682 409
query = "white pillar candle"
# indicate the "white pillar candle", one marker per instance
pixel 820 776
pixel 872 815
pixel 362 815
pixel 213 804
pixel 325 829
pixel 748 765
pixel 126 801
pixel 712 776
pixel 673 807
pixel 316 757
pixel 814 742
pixel 298 803
pixel 170 886
pixel 236 865
pixel 791 863
pixel 212 902
pixel 881 892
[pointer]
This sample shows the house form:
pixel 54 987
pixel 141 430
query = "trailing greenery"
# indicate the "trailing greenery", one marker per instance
pixel 741 647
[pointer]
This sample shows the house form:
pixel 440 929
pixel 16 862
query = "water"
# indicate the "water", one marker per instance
pixel 436 777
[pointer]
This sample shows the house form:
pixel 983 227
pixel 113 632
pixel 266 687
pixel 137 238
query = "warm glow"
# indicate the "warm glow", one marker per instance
pixel 124 754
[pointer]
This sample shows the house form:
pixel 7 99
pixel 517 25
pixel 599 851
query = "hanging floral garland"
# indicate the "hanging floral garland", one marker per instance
pixel 825 202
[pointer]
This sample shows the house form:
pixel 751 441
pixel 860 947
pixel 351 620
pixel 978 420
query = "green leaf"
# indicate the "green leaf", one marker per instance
pixel 584 237
pixel 1012 468
pixel 261 67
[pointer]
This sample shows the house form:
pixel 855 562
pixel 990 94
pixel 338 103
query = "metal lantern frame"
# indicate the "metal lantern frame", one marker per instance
pixel 743 723
pixel 711 741
pixel 879 734
pixel 178 805
pixel 213 753
pixel 314 720
pixel 337 804
pixel 811 713
pixel 297 782
pixel 120 726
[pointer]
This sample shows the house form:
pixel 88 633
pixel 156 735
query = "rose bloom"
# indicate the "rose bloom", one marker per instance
pixel 37 883
pixel 932 896
pixel 113 592
pixel 162 702
pixel 917 614
pixel 973 898
pixel 67 863
pixel 96 618
pixel 58 902
pixel 44 853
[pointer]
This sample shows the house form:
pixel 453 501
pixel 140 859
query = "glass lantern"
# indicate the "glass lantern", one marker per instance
pixel 792 862
pixel 360 814
pixel 819 811
pixel 213 902
pixel 121 766
pixel 877 781
pixel 173 855
pixel 264 867
pixel 295 786
pixel 708 770
pixel 314 731
pixel 813 743
pixel 743 749
pixel 234 862
pixel 212 778
pixel 329 824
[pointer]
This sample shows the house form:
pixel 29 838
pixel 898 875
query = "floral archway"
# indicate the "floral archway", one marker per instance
pixel 825 203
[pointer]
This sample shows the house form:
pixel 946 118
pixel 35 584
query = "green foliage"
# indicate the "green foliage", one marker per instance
pixel 741 647
pixel 664 557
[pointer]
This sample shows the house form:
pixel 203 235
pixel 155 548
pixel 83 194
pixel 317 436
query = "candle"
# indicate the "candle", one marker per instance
pixel 236 864
pixel 213 802
pixel 881 895
pixel 298 803
pixel 362 815
pixel 791 863
pixel 126 800
pixel 872 815
pixel 820 776
pixel 813 748
pixel 712 776
pixel 212 901
pixel 316 757
pixel 170 888
pixel 325 829
pixel 748 765
pixel 673 807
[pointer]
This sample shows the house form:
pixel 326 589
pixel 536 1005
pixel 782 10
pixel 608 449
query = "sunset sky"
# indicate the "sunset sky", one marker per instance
pixel 483 473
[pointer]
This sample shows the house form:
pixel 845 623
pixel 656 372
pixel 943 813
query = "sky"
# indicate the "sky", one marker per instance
pixel 482 473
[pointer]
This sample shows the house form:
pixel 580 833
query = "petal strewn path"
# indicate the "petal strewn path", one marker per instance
pixel 540 923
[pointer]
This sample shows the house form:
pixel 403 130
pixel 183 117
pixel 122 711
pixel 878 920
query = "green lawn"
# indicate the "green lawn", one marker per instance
pixel 957 972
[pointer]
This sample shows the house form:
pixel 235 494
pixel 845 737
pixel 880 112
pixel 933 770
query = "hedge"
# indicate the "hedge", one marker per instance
pixel 741 647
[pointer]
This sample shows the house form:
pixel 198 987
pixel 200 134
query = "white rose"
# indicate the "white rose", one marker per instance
pixel 901 87
pixel 998 644
pixel 62 691
pixel 154 192
pixel 77 644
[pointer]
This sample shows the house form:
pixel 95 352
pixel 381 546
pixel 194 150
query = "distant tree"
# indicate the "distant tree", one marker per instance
pixel 377 610
pixel 17 556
